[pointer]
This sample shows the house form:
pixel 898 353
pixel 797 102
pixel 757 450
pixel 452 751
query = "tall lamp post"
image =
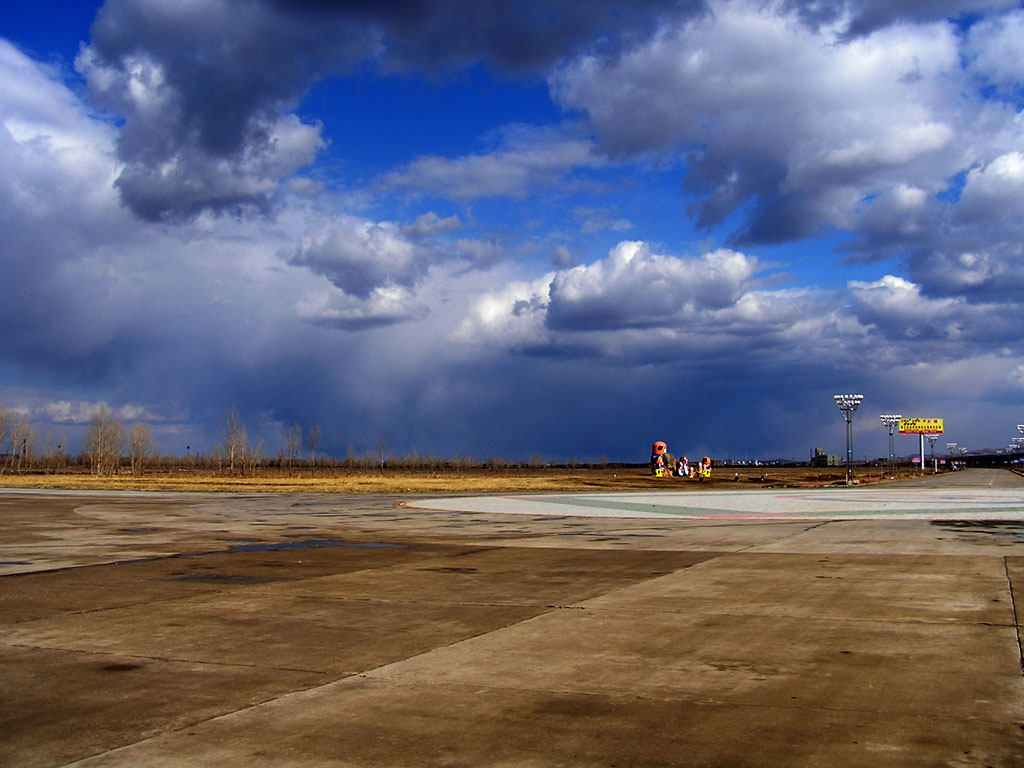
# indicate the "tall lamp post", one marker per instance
pixel 931 444
pixel 891 421
pixel 848 404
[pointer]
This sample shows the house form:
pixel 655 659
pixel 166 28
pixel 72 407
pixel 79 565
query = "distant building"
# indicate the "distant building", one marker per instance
pixel 822 459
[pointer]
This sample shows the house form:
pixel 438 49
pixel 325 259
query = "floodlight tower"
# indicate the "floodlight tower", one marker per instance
pixel 951 447
pixel 891 421
pixel 848 404
pixel 931 444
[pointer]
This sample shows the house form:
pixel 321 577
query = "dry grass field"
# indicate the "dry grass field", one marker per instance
pixel 476 481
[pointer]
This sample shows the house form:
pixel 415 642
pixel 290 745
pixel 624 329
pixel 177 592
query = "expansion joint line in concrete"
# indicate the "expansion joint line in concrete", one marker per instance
pixel 618 610
pixel 1016 621
pixel 801 532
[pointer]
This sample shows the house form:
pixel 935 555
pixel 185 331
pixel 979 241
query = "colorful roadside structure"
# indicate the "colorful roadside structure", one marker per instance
pixel 921 428
pixel 660 464
pixel 704 469
pixel 659 452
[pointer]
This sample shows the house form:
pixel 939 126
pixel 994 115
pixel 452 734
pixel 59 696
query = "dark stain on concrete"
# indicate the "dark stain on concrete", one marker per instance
pixel 220 578
pixel 1011 528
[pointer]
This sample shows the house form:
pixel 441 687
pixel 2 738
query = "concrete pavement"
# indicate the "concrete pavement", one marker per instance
pixel 761 630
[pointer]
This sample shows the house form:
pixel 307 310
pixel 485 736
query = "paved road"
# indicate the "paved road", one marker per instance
pixel 313 630
pixel 987 494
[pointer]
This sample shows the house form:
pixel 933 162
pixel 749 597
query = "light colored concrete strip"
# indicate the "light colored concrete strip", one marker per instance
pixel 889 503
pixel 751 647
pixel 740 661
pixel 964 590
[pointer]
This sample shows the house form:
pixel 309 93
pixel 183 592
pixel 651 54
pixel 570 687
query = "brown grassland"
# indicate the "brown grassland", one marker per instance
pixel 475 481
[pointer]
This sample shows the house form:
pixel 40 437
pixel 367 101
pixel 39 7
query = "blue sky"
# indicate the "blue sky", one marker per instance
pixel 516 227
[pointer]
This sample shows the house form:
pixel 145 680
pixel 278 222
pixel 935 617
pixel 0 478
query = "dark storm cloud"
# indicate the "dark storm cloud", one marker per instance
pixel 559 351
pixel 205 89
pixel 226 63
pixel 517 35
pixel 861 17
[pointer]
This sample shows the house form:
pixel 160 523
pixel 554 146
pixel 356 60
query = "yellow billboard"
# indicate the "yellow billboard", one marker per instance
pixel 920 426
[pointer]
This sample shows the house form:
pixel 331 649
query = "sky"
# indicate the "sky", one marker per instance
pixel 515 228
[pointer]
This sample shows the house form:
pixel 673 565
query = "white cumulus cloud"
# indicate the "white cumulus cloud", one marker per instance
pixel 794 124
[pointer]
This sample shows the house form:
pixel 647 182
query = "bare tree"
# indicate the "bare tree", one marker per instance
pixel 313 435
pixel 292 445
pixel 253 454
pixel 382 446
pixel 236 440
pixel 104 439
pixel 54 458
pixel 5 431
pixel 23 438
pixel 62 454
pixel 142 447
pixel 47 454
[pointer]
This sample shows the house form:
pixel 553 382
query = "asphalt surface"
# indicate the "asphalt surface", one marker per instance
pixel 858 627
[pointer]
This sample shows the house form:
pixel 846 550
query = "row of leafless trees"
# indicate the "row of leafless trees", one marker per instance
pixel 243 454
pixel 110 447
pixel 103 447
pixel 106 439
